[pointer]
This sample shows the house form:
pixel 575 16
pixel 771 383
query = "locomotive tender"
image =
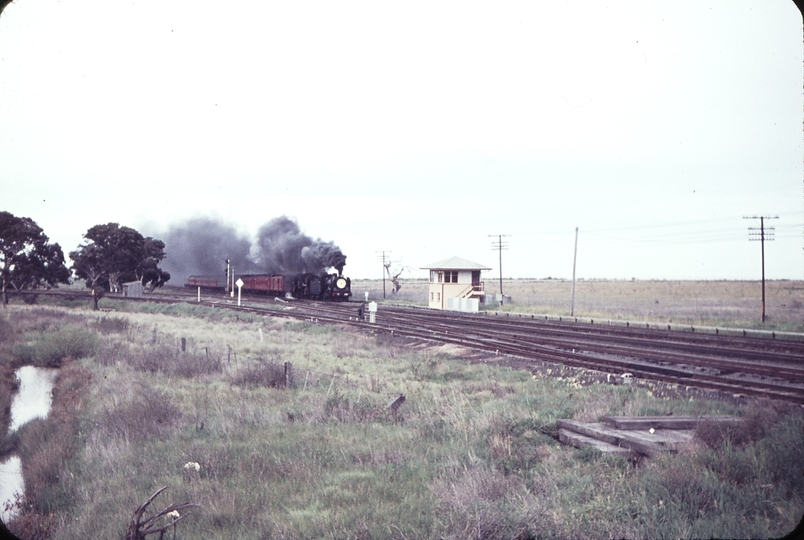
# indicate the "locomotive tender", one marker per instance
pixel 323 286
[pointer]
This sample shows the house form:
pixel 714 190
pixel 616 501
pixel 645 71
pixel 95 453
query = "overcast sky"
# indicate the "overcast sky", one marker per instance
pixel 419 128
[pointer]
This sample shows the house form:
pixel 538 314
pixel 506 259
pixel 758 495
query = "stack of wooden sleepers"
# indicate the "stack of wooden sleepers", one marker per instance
pixel 635 436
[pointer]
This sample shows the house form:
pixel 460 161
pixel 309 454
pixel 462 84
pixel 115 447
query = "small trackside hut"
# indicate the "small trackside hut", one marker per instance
pixel 455 284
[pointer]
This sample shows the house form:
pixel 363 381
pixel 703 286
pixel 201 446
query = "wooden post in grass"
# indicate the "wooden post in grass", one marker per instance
pixel 394 405
pixel 288 372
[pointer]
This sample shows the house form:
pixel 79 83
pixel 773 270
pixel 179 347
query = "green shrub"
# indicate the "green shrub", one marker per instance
pixel 24 353
pixel 68 340
pixel 47 348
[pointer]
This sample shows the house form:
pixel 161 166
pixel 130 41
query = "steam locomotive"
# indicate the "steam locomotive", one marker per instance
pixel 323 286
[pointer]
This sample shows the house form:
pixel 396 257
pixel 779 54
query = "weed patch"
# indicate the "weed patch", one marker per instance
pixel 160 358
pixel 758 419
pixel 112 325
pixel 340 408
pixel 481 504
pixel 512 446
pixel 261 373
pixel 149 414
pixel 49 348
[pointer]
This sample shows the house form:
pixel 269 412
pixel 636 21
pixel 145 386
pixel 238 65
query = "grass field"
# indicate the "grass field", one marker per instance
pixel 708 303
pixel 471 453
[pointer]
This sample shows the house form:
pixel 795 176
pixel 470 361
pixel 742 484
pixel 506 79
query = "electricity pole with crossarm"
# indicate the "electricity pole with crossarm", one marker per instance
pixel 500 245
pixel 761 234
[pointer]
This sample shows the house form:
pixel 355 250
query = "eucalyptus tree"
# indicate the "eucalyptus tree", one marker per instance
pixel 113 254
pixel 27 260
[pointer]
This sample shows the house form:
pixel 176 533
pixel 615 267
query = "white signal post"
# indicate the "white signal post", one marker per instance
pixel 239 284
pixel 231 289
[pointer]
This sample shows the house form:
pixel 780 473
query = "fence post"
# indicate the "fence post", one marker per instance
pixel 288 368
pixel 183 344
pixel 394 405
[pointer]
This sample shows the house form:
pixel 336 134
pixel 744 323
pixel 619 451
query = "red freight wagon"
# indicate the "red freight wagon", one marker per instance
pixel 267 283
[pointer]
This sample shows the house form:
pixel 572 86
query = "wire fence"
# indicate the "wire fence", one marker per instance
pixel 274 372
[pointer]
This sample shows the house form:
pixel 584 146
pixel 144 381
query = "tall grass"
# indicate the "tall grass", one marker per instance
pixel 471 453
pixel 49 348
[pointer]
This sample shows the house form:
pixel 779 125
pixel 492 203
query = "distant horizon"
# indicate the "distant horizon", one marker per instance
pixel 491 280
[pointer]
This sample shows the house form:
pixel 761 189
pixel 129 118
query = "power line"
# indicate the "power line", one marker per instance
pixel 384 260
pixel 500 245
pixel 761 234
pixel 671 225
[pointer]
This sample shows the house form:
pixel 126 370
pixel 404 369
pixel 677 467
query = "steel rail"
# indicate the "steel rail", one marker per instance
pixel 426 329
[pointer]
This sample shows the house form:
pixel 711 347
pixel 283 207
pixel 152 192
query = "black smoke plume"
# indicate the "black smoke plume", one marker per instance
pixel 283 248
pixel 324 255
pixel 200 246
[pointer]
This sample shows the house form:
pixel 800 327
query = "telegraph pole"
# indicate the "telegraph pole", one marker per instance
pixel 574 260
pixel 499 245
pixel 763 233
pixel 384 261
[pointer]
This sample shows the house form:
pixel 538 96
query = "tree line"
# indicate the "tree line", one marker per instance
pixel 110 256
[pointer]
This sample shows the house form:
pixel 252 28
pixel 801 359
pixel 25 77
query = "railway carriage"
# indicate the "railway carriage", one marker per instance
pixel 323 286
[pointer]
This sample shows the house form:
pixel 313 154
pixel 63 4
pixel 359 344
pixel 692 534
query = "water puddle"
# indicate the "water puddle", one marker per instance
pixel 32 400
pixel 10 484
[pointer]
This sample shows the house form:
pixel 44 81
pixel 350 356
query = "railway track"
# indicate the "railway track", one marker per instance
pixel 737 365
